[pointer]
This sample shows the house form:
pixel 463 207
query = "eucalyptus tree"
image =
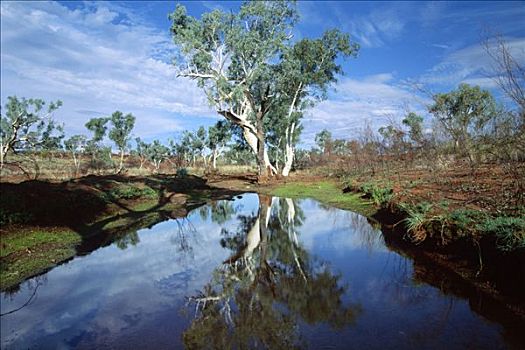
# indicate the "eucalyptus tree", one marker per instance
pixel 121 133
pixel 76 145
pixel 157 153
pixel 26 125
pixel 462 113
pixel 185 147
pixel 247 63
pixel 324 140
pixel 307 69
pixel 100 155
pixel 140 151
pixel 414 122
pixel 198 143
pixel 218 137
pixel 282 134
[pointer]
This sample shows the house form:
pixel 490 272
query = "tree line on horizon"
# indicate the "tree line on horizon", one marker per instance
pixel 261 82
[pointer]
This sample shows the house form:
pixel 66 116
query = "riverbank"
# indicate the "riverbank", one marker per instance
pixel 492 278
pixel 46 223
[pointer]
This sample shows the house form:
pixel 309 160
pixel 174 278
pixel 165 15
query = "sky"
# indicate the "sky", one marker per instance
pixel 98 57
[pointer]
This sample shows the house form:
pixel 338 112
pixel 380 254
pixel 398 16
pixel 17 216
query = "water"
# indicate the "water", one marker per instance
pixel 255 272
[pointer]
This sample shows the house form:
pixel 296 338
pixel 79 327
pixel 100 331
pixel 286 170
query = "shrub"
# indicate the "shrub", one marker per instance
pixel 9 218
pixel 380 196
pixel 465 220
pixel 418 216
pixel 131 192
pixel 509 231
pixel 182 172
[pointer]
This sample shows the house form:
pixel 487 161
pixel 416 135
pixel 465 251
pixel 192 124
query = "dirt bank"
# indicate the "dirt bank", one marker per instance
pixel 45 223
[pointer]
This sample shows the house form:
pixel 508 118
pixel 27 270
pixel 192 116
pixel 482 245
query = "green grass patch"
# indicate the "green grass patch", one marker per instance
pixel 130 192
pixel 31 239
pixel 509 231
pixel 380 195
pixel 28 265
pixel 145 205
pixel 30 251
pixel 328 193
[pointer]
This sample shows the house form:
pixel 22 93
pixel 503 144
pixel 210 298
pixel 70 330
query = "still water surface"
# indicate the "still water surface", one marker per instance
pixel 254 272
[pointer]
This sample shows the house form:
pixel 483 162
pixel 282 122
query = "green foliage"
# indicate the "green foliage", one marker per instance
pixel 182 172
pixel 121 132
pixel 414 122
pixel 47 247
pixel 131 192
pixel 122 127
pixel 8 217
pixel 98 126
pixel 325 192
pixel 418 217
pixel 509 231
pixel 100 155
pixel 157 153
pixel 75 143
pixel 465 220
pixel 463 113
pixel 393 137
pixel 323 140
pixel 380 195
pixel 23 126
pixel 267 79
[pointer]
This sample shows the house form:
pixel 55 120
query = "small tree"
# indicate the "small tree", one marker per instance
pixel 100 155
pixel 218 136
pixel 23 125
pixel 141 151
pixel 462 113
pixel 157 153
pixel 121 133
pixel 414 122
pixel 76 145
pixel 323 139
pixel 199 143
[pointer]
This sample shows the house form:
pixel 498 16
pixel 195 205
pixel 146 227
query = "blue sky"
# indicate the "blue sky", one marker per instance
pixel 98 57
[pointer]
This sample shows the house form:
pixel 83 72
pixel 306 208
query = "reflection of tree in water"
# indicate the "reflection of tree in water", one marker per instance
pixel 31 285
pixel 130 238
pixel 183 234
pixel 219 211
pixel 367 232
pixel 270 283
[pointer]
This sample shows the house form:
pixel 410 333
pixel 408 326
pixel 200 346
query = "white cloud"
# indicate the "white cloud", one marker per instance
pixel 94 60
pixel 375 99
pixel 377 28
pixel 471 65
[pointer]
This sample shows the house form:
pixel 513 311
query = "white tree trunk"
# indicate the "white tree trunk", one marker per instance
pixel 292 235
pixel 251 139
pixel 76 161
pixel 289 151
pixel 214 159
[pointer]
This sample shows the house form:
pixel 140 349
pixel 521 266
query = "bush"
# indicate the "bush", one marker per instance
pixel 465 220
pixel 182 172
pixel 10 218
pixel 130 192
pixel 509 231
pixel 418 216
pixel 380 196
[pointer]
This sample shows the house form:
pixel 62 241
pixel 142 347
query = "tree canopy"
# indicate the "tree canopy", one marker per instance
pixel 250 68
